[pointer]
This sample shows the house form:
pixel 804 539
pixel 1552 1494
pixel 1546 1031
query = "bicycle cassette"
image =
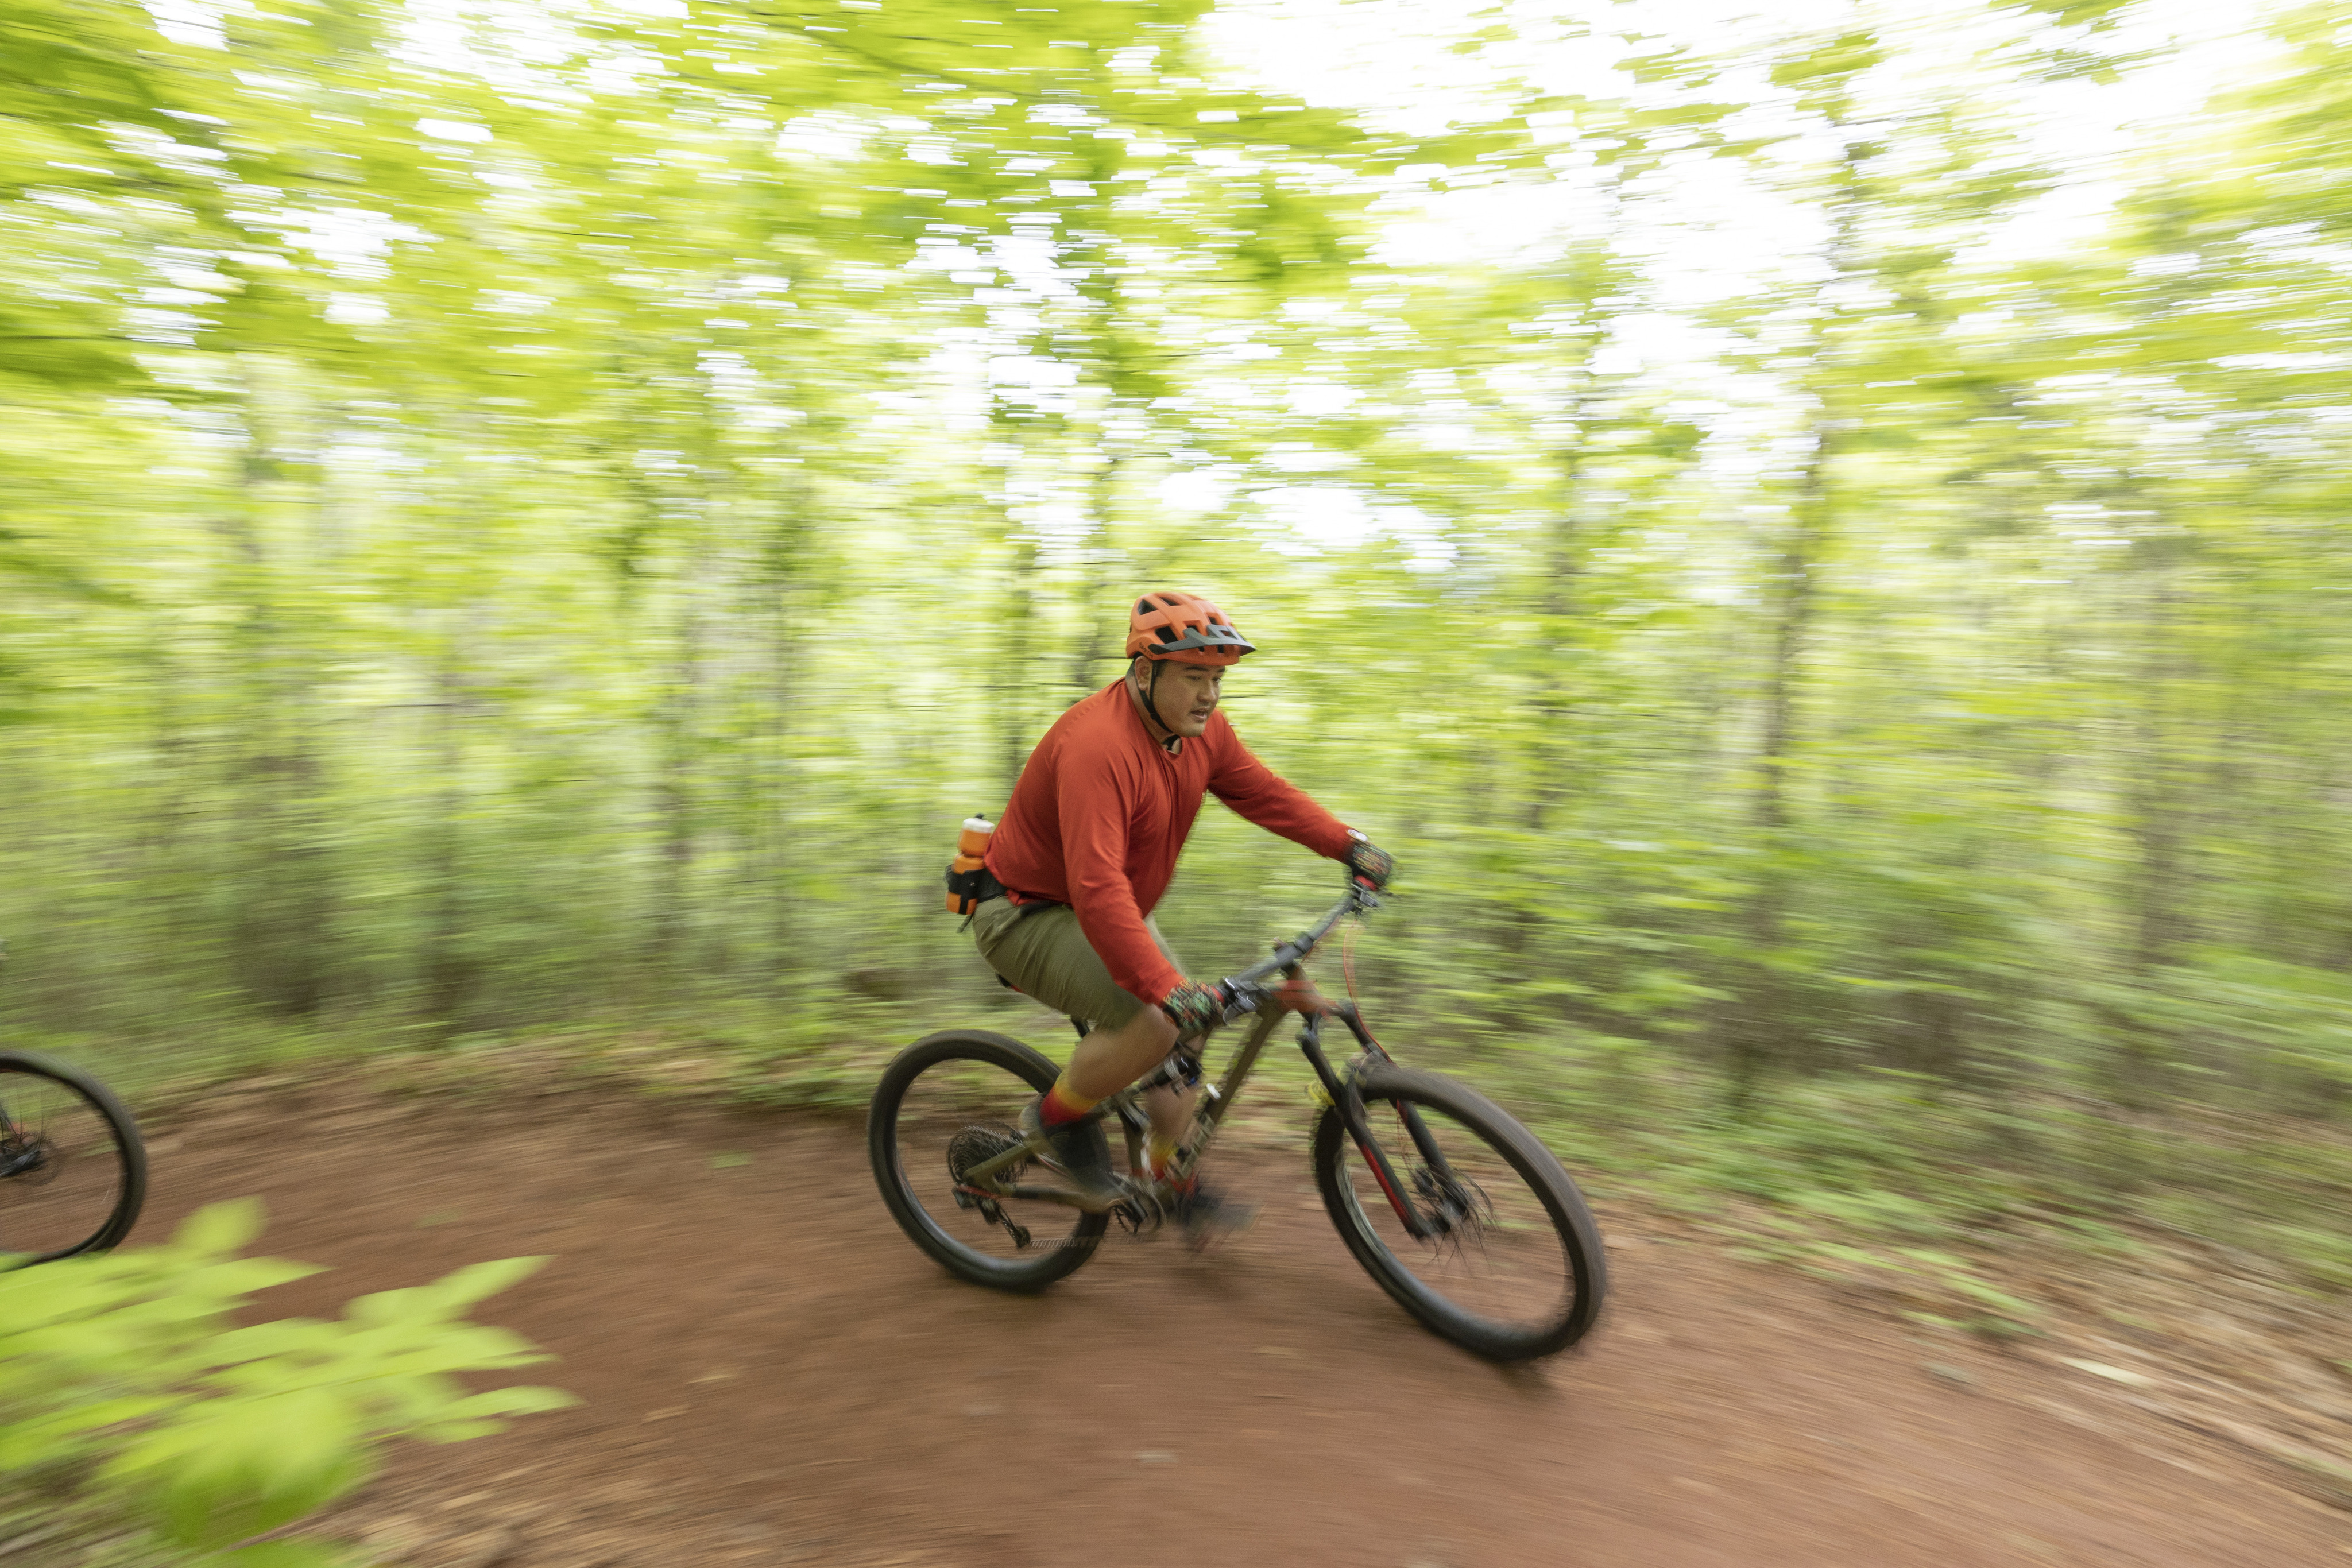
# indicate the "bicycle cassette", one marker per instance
pixel 980 1143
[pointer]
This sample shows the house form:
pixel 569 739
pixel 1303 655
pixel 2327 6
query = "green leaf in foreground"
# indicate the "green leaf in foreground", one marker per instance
pixel 126 1383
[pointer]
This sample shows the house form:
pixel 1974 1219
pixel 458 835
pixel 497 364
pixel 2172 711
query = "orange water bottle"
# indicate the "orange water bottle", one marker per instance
pixel 967 871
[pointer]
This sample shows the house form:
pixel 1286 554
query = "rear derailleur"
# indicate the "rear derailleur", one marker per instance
pixel 975 1145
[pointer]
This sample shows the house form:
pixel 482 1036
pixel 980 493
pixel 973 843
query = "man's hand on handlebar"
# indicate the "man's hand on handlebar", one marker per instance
pixel 1194 1007
pixel 1369 864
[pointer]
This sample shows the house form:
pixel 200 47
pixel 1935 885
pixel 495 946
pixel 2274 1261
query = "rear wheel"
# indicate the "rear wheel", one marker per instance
pixel 947 1102
pixel 73 1172
pixel 1513 1267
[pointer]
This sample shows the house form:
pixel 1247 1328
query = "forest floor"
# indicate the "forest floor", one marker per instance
pixel 770 1374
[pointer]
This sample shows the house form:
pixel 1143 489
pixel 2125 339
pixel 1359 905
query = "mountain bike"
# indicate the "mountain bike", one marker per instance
pixel 73 1172
pixel 1459 1213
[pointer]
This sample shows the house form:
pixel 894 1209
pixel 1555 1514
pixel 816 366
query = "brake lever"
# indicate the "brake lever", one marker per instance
pixel 1241 998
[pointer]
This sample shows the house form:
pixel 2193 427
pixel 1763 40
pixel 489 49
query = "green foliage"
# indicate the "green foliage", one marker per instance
pixel 125 1381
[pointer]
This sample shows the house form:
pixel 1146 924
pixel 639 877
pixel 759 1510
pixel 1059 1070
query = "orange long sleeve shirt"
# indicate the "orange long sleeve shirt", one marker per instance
pixel 1102 810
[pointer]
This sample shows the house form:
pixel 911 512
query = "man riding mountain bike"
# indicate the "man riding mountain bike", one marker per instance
pixel 1086 846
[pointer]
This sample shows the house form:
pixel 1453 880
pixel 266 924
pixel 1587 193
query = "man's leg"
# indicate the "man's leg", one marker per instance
pixel 1044 954
pixel 1109 1060
pixel 1170 1111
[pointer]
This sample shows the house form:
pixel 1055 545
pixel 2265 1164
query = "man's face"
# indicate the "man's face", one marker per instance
pixel 1187 696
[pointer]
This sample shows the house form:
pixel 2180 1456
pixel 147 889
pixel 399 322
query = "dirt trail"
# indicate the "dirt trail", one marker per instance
pixel 773 1375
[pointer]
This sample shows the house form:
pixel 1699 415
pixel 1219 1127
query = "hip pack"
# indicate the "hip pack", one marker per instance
pixel 970 885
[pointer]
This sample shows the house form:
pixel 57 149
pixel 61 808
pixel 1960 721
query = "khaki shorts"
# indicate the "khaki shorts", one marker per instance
pixel 1043 953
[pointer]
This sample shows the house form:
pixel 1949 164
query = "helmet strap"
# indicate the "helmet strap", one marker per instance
pixel 1151 704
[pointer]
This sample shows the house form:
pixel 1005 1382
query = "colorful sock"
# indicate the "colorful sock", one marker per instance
pixel 1060 1104
pixel 1162 1151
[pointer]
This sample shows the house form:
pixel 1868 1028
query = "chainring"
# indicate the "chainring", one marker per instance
pixel 1141 1212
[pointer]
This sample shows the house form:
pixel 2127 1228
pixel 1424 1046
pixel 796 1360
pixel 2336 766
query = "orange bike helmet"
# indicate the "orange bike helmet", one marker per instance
pixel 1185 628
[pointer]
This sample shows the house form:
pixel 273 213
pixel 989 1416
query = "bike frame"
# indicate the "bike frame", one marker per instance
pixel 1250 992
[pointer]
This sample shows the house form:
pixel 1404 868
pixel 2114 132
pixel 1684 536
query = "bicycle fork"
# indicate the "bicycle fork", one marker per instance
pixel 1349 1099
pixel 1345 1097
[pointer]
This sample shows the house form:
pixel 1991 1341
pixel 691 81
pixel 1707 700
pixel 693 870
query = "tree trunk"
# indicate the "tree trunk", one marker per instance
pixel 281 927
pixel 1759 1037
pixel 781 575
pixel 1551 752
pixel 1013 684
pixel 2158 830
pixel 2159 826
pixel 1554 752
pixel 449 968
pixel 1089 657
pixel 677 720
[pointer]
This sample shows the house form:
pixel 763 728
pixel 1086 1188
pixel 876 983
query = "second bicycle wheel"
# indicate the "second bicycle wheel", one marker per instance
pixel 947 1102
pixel 1513 1267
pixel 73 1172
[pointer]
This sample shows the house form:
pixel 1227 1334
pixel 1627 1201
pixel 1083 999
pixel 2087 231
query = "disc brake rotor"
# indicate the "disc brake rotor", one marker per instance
pixel 1455 1207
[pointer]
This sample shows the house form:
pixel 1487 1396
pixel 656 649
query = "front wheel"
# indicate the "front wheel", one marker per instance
pixel 73 1172
pixel 950 1102
pixel 1512 1268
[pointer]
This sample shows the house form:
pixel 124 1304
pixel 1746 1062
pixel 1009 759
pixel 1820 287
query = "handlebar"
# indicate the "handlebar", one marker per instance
pixel 1244 991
